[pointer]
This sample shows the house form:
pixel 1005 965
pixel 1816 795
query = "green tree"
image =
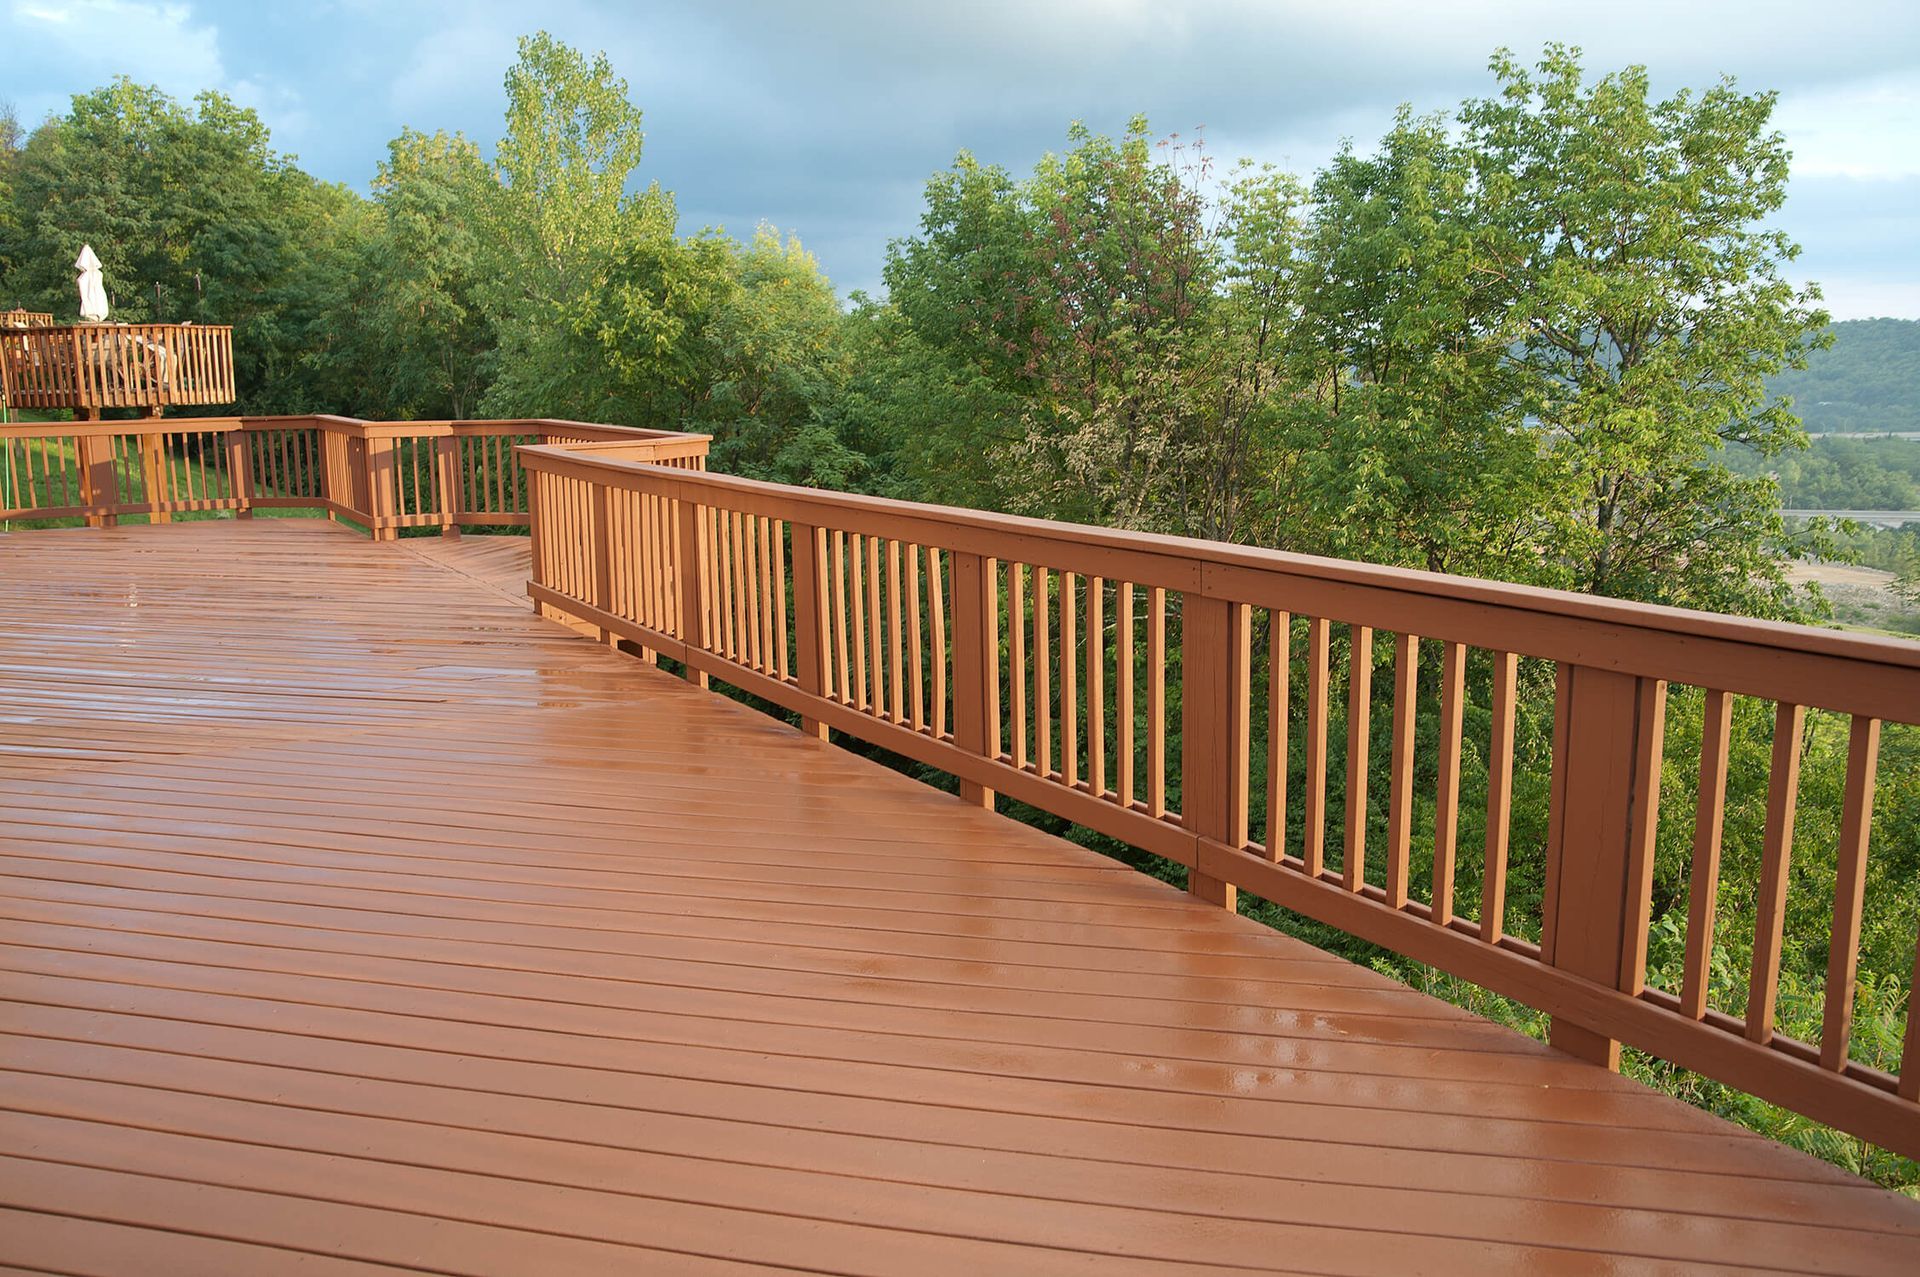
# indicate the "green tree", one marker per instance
pixel 1649 288
pixel 1424 458
pixel 557 225
pixel 422 275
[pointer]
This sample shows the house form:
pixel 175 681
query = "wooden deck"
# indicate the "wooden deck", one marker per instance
pixel 355 918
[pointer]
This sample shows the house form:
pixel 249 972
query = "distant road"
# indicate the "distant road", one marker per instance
pixel 1865 434
pixel 1874 518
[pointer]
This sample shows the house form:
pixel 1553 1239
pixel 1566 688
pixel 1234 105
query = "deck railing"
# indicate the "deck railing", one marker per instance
pixel 385 475
pixel 1045 661
pixel 97 366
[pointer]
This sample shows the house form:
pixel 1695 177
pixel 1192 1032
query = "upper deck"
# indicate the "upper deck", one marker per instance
pixel 353 916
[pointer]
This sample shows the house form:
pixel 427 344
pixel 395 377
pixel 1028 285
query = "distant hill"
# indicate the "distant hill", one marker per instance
pixel 1868 380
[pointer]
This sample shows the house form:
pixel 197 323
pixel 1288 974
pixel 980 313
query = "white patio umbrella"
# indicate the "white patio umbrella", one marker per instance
pixel 93 289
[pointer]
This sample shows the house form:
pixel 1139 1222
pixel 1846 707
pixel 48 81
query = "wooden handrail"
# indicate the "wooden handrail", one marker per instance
pixel 980 644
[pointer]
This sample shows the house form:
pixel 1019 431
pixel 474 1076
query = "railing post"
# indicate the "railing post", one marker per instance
pixel 153 475
pixel 689 570
pixel 239 473
pixel 333 469
pixel 380 495
pixel 446 453
pixel 600 499
pixel 1605 803
pixel 536 533
pixel 1214 727
pixel 975 611
pixel 98 485
pixel 809 618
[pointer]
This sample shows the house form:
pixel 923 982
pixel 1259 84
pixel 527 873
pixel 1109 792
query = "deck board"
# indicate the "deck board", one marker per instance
pixel 353 918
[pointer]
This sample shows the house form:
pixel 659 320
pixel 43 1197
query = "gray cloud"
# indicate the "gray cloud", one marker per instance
pixel 827 118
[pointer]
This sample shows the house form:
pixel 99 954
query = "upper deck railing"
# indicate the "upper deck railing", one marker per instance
pixel 1048 661
pixel 89 367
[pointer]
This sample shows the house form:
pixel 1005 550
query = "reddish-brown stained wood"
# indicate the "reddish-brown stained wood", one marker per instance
pixel 1156 703
pixel 937 612
pixel 1353 865
pixel 877 659
pixel 837 567
pixel 1493 895
pixel 916 640
pixel 1123 692
pixel 857 596
pixel 1069 682
pixel 1314 836
pixel 1850 889
pixel 1406 662
pixel 363 960
pixel 1783 795
pixel 1279 670
pixel 1446 806
pixel 1096 686
pixel 1042 675
pixel 1017 659
pixel 896 662
pixel 1704 878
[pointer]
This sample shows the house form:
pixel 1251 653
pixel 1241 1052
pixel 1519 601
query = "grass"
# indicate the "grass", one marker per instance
pixel 54 489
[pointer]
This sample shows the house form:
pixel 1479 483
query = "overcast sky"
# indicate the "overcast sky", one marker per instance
pixel 826 118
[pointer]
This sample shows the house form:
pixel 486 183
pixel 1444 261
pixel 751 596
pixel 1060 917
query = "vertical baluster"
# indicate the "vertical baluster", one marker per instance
pixel 1783 795
pixel 895 659
pixel 856 587
pixel 1279 670
pixel 839 566
pixel 1042 675
pixel 1703 882
pixel 857 590
pixel 937 611
pixel 1069 685
pixel 779 537
pixel 1850 887
pixel 916 640
pixel 1123 691
pixel 1406 662
pixel 719 638
pixel 811 664
pixel 1493 888
pixel 1017 659
pixel 1446 810
pixel 1353 871
pixel 751 589
pixel 877 654
pixel 1314 841
pixel 1156 702
pixel 1096 687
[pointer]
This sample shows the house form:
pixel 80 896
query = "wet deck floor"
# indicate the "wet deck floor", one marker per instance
pixel 354 918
